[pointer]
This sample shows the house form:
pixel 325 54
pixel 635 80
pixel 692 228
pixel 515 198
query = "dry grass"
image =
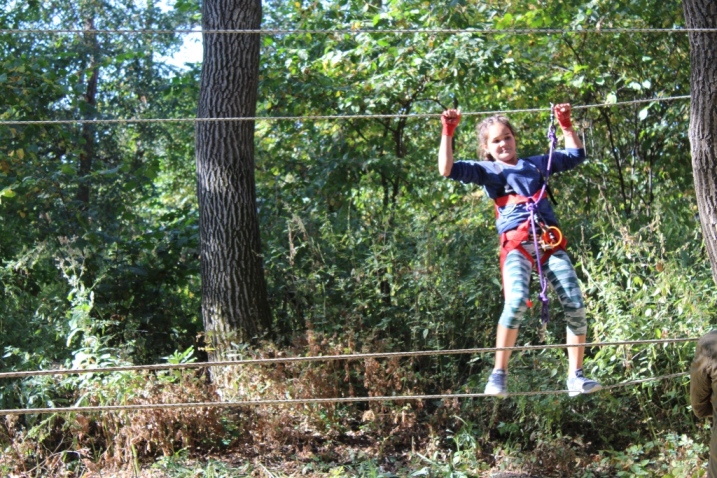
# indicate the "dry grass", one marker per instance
pixel 286 439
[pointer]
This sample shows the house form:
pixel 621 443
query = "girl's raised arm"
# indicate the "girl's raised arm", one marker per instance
pixel 562 113
pixel 450 119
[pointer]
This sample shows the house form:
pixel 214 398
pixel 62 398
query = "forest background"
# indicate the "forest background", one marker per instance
pixel 365 247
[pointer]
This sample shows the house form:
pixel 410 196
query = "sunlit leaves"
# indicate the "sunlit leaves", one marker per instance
pixel 45 77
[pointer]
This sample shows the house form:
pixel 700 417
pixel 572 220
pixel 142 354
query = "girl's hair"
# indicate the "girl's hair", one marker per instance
pixel 482 130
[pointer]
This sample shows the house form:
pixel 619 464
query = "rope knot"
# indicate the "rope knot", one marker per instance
pixel 552 137
pixel 544 312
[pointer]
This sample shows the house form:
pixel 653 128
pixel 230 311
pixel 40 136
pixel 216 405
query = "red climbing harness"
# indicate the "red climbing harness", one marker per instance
pixel 546 239
pixel 551 237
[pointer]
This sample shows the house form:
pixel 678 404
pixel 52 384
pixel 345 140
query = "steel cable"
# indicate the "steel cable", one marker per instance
pixel 305 401
pixel 354 31
pixel 322 117
pixel 326 358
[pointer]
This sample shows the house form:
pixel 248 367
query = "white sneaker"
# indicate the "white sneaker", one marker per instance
pixel 497 384
pixel 579 383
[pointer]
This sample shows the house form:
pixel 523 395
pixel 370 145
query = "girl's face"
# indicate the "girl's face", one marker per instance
pixel 500 143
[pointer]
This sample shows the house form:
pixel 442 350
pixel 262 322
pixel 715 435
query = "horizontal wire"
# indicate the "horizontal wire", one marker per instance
pixel 356 31
pixel 326 358
pixel 304 401
pixel 323 117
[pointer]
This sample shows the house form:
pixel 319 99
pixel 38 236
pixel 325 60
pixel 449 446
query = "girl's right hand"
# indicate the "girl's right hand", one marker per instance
pixel 450 119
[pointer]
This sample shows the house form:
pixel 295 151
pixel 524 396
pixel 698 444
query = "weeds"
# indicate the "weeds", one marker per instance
pixel 635 287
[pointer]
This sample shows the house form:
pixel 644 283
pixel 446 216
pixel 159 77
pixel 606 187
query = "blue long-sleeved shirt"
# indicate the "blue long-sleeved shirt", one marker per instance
pixel 499 179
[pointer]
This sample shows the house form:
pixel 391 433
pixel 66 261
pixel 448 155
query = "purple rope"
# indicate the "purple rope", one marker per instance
pixel 533 207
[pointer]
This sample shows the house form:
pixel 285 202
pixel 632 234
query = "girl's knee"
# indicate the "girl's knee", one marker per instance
pixel 577 323
pixel 573 305
pixel 577 330
pixel 510 322
pixel 512 315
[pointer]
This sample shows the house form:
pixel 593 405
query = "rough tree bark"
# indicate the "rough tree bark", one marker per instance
pixel 234 297
pixel 703 117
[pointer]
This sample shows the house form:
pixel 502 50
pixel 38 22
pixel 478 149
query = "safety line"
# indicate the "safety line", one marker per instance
pixel 326 358
pixel 356 31
pixel 304 401
pixel 325 117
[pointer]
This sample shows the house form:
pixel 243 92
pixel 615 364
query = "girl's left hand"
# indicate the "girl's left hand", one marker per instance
pixel 562 113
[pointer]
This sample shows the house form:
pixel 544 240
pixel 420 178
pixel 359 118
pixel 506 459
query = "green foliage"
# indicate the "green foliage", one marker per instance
pixel 363 239
pixel 135 233
pixel 178 466
pixel 366 248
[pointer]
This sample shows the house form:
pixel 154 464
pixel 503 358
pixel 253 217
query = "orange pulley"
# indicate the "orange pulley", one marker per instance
pixel 551 237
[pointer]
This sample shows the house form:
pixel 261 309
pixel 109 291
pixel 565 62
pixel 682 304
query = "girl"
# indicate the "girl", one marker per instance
pixel 514 183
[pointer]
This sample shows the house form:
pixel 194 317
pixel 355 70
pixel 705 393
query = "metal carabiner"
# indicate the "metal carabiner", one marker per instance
pixel 551 238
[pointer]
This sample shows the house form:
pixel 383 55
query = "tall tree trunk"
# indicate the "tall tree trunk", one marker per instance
pixel 703 117
pixel 90 102
pixel 235 307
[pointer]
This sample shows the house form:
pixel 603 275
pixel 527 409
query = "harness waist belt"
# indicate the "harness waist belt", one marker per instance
pixel 511 199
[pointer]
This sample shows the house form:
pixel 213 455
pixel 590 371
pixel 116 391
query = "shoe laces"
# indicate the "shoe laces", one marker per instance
pixel 498 376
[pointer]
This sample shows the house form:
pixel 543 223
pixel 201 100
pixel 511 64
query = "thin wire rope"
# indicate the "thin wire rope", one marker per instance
pixel 353 31
pixel 305 401
pixel 325 117
pixel 326 358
